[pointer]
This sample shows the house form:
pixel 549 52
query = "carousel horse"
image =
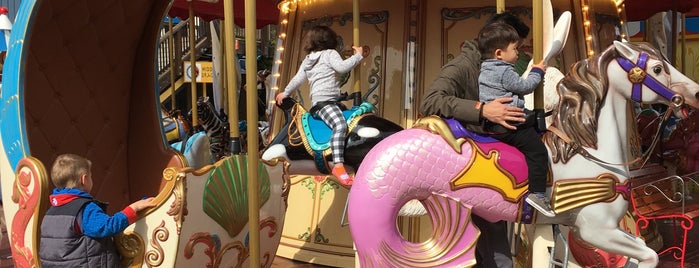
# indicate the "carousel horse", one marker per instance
pixel 175 125
pixel 216 127
pixel 455 173
pixel 304 140
pixel 178 133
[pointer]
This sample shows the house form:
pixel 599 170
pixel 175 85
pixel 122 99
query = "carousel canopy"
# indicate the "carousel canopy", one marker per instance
pixel 644 9
pixel 267 11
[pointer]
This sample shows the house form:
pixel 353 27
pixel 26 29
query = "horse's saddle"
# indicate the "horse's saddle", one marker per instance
pixel 175 130
pixel 315 135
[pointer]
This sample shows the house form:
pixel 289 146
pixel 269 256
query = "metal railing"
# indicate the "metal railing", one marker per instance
pixel 165 62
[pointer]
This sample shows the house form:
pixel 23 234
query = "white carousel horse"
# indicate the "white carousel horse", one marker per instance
pixel 455 174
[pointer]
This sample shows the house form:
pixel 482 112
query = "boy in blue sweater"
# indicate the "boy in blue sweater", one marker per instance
pixel 76 231
pixel 498 44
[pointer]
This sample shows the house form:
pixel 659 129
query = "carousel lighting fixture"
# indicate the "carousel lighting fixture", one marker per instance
pixel 287 6
pixel 586 25
pixel 620 8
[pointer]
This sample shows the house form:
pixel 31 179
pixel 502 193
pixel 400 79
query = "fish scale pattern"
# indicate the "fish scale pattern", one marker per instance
pixel 415 163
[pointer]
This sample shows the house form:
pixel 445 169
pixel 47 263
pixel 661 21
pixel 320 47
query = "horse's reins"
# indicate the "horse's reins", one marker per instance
pixel 638 77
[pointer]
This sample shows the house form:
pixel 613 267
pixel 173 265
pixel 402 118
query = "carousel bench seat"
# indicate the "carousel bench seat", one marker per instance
pixel 93 95
pixel 655 195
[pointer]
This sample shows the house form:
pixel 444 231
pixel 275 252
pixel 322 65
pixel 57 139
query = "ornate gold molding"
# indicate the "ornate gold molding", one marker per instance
pixel 131 247
pixel 156 256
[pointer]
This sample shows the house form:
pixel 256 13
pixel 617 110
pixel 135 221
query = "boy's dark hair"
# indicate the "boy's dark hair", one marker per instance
pixel 319 38
pixel 512 20
pixel 67 170
pixel 496 36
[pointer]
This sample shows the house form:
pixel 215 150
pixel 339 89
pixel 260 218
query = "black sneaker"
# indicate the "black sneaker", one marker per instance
pixel 541 204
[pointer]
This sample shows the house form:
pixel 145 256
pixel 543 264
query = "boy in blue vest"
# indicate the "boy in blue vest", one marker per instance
pixel 76 231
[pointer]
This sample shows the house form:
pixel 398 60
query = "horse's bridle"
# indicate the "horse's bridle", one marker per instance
pixel 638 77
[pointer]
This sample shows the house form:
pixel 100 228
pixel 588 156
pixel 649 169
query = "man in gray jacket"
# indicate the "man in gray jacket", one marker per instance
pixel 454 94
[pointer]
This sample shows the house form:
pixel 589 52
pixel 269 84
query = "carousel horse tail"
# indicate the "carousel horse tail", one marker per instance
pixel 395 172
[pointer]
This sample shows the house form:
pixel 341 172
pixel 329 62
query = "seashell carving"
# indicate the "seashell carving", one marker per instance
pixel 226 194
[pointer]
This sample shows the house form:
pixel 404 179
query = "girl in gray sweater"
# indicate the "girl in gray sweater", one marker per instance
pixel 320 68
pixel 498 45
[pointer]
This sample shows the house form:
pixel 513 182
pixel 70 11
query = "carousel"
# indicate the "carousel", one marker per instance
pixel 403 61
pixel 79 79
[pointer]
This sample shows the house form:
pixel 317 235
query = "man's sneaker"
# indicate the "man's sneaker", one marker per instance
pixel 541 204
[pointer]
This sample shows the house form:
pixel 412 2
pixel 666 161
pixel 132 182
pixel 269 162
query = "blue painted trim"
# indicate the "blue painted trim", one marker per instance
pixel 12 118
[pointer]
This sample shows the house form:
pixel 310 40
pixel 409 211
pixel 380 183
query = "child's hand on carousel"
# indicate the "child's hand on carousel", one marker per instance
pixel 541 65
pixel 359 50
pixel 142 204
pixel 279 98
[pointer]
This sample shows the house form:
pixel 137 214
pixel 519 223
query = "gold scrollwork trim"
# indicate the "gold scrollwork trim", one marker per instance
pixel 131 247
pixel 156 256
pixel 213 252
pixel 30 185
pixel 436 125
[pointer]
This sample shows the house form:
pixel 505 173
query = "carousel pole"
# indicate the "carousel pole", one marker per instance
pixel 673 55
pixel 171 44
pixel 355 39
pixel 543 235
pixel 537 37
pixel 499 6
pixel 193 65
pixel 232 85
pixel 357 73
pixel 253 135
pixel 684 42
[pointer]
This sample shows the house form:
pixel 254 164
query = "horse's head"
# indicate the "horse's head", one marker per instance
pixel 641 74
pixel 624 71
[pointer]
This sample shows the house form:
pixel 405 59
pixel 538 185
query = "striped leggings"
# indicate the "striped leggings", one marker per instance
pixel 332 116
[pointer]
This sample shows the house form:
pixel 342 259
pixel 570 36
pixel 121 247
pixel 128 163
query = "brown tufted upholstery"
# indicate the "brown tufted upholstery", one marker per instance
pixel 90 90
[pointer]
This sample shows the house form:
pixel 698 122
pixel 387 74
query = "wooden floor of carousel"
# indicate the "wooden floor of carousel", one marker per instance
pixel 665 228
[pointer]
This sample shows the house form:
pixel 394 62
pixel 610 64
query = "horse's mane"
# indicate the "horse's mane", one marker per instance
pixel 582 92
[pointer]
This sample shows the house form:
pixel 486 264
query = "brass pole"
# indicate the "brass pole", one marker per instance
pixel 355 37
pixel 253 135
pixel 673 57
pixel 232 85
pixel 684 42
pixel 171 44
pixel 193 64
pixel 499 6
pixel 537 36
